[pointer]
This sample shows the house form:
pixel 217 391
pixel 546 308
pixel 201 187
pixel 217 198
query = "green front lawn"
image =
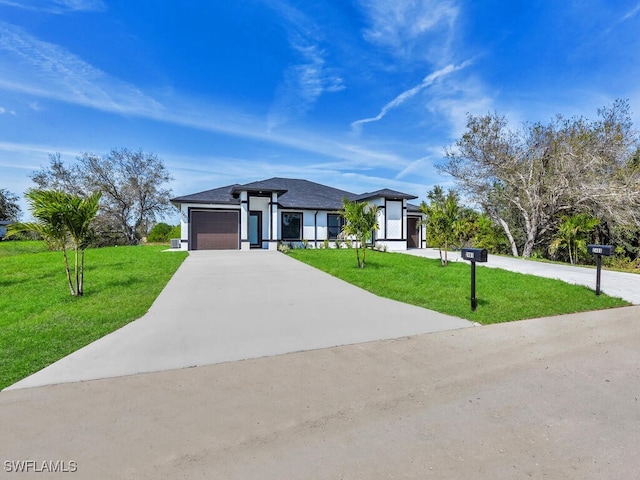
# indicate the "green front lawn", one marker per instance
pixel 502 296
pixel 41 322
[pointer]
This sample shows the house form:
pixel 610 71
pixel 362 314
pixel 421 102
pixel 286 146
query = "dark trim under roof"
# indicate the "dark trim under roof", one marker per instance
pixel 386 193
pixel 292 194
pixel 217 195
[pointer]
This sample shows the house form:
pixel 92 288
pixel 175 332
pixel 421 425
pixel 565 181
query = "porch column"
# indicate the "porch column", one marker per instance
pixel 273 222
pixel 244 221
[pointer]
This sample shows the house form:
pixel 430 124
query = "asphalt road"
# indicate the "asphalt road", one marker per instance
pixel 547 398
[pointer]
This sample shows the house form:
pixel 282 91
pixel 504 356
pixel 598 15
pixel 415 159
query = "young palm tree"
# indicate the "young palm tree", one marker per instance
pixel 62 218
pixel 442 220
pixel 78 215
pixel 573 233
pixel 360 222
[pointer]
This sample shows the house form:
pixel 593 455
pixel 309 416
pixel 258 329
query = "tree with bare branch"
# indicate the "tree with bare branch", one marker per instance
pixel 542 171
pixel 133 187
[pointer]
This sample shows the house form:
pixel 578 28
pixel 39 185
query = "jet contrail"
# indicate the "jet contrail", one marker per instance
pixel 407 94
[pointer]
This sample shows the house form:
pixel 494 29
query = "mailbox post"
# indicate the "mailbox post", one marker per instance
pixel 474 255
pixel 599 251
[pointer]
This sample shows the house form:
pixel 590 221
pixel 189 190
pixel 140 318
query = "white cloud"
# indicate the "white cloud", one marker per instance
pixel 303 83
pixel 36 68
pixel 57 6
pixel 39 68
pixel 301 87
pixel 411 28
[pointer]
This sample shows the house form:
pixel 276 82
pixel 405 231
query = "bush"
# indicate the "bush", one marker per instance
pixel 176 232
pixel 284 247
pixel 159 233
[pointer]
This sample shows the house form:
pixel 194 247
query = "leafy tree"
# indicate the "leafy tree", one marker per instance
pixel 132 185
pixel 9 208
pixel 361 220
pixel 443 220
pixel 62 219
pixel 159 233
pixel 176 232
pixel 573 234
pixel 489 235
pixel 466 226
pixel 528 178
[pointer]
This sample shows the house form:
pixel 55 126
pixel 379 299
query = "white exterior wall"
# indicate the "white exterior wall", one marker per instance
pixel 184 226
pixel 308 224
pixel 394 220
pixel 323 231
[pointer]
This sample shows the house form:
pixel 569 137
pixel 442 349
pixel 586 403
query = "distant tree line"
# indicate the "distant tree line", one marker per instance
pixel 9 207
pixel 551 188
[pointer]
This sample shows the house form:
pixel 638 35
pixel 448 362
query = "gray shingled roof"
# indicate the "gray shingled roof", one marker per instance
pixel 217 195
pixel 385 193
pixel 293 193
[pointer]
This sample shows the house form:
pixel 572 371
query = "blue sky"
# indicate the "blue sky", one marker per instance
pixel 356 94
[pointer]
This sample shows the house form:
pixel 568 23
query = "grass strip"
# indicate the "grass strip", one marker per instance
pixel 503 296
pixel 41 322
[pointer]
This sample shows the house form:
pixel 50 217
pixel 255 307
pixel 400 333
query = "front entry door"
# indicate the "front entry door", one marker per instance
pixel 255 229
pixel 413 234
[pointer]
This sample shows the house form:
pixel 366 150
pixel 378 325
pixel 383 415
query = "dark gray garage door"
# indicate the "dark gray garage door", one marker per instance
pixel 214 230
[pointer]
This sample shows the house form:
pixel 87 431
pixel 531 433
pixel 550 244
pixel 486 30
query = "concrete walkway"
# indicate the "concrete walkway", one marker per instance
pixel 615 284
pixel 222 306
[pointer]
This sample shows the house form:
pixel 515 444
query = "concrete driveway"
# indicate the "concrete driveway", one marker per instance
pixel 556 397
pixel 222 306
pixel 615 284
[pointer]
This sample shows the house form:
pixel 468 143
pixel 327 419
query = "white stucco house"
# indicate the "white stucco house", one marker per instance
pixel 262 214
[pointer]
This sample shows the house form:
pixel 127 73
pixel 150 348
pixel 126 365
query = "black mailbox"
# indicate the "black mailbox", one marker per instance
pixel 475 254
pixel 606 250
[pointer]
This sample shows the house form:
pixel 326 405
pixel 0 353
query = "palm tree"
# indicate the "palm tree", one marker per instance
pixel 442 219
pixel 79 214
pixel 573 233
pixel 361 219
pixel 62 218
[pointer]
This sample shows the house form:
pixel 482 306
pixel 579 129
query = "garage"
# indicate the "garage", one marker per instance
pixel 214 230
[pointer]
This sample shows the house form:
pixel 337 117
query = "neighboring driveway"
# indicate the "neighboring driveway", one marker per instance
pixel 222 306
pixel 615 284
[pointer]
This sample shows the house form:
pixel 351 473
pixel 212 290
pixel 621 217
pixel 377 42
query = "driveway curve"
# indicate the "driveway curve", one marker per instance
pixel 222 306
